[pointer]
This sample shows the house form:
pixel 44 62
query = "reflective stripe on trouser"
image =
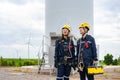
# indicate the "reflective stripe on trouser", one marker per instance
pixel 60 78
pixel 66 78
pixel 63 70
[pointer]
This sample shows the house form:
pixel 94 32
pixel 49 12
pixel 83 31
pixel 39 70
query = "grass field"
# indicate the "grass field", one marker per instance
pixel 18 62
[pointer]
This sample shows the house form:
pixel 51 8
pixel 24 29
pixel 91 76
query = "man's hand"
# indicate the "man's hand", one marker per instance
pixel 95 63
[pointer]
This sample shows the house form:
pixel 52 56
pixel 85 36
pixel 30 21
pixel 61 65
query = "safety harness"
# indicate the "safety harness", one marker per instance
pixel 80 59
pixel 69 51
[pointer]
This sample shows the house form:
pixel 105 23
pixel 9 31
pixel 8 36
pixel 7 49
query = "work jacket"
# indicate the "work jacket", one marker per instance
pixel 64 48
pixel 87 47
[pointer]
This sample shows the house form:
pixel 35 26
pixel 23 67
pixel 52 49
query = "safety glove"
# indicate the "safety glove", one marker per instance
pixel 56 64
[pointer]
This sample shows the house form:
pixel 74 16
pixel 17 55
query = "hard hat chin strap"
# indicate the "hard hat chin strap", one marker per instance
pixel 64 36
pixel 85 32
pixel 83 35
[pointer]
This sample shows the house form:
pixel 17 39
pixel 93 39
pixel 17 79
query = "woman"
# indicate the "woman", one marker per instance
pixel 64 54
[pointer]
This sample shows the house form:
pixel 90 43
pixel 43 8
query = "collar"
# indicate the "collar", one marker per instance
pixel 85 38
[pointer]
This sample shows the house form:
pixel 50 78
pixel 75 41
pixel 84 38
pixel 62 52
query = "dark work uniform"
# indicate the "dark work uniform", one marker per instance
pixel 88 50
pixel 64 48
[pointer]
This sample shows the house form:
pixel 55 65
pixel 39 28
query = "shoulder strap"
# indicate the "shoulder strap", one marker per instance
pixel 79 51
pixel 69 48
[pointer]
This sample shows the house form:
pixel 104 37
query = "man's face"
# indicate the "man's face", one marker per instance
pixel 65 32
pixel 81 31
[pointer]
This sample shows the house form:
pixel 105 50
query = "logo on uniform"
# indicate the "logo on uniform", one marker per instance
pixel 62 40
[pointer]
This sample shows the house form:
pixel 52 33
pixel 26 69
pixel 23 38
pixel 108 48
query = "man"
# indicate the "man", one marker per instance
pixel 64 54
pixel 86 52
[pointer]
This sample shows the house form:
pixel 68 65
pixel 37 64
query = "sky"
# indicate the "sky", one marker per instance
pixel 21 20
pixel 107 26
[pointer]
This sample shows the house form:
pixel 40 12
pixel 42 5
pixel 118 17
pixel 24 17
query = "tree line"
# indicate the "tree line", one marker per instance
pixel 108 60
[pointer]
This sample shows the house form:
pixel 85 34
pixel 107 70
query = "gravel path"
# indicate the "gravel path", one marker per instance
pixel 7 75
pixel 10 74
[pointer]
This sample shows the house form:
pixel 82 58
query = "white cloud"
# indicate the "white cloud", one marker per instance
pixel 19 19
pixel 29 15
pixel 107 26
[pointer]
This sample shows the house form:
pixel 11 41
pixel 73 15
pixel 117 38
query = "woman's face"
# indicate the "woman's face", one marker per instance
pixel 65 32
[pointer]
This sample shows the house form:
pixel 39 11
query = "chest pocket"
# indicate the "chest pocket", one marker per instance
pixel 87 44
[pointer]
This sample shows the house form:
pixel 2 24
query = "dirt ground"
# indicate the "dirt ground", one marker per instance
pixel 11 73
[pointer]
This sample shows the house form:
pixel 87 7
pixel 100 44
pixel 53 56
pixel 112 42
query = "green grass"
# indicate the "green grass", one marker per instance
pixel 18 62
pixel 102 62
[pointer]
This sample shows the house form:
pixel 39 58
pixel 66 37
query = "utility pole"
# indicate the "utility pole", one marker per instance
pixel 29 46
pixel 17 52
